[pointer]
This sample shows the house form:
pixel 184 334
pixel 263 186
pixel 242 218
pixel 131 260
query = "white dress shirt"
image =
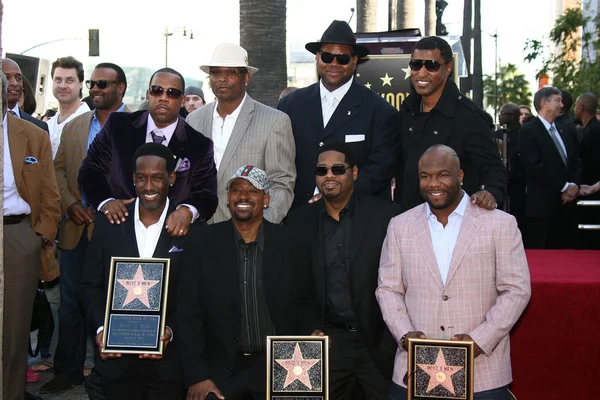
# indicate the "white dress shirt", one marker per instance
pixel 547 125
pixel 13 202
pixel 222 129
pixel 167 131
pixel 443 237
pixel 55 128
pixel 147 238
pixel 16 110
pixel 330 100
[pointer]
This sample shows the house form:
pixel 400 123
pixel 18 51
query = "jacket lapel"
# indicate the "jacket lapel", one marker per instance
pixel 271 259
pixel 179 140
pixel 468 230
pixel 239 129
pixel 360 226
pixel 422 236
pixel 314 109
pixel 17 142
pixel 129 230
pixel 318 263
pixel 229 269
pixel 82 132
pixel 347 110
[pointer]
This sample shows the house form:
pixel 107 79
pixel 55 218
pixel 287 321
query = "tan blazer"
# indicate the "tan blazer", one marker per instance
pixel 36 184
pixel 262 136
pixel 487 287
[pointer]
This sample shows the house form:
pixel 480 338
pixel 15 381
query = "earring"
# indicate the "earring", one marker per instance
pixel 266 205
pixel 171 184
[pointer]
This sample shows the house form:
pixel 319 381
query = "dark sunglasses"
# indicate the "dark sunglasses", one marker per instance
pixel 336 170
pixel 102 83
pixel 430 65
pixel 158 91
pixel 342 59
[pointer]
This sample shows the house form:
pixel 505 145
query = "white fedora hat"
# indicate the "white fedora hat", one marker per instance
pixel 229 55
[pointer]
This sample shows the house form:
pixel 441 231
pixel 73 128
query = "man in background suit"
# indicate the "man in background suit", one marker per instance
pixel 452 270
pixel 105 174
pixel 142 235
pixel 348 228
pixel 107 86
pixel 245 131
pixel 340 109
pixel 249 280
pixel 553 174
pixel 31 213
pixel 15 88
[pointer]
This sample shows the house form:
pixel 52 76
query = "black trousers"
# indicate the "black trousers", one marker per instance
pixel 247 381
pixel 352 369
pixel 556 232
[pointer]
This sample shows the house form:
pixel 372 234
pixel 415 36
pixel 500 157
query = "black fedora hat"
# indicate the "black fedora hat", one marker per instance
pixel 339 32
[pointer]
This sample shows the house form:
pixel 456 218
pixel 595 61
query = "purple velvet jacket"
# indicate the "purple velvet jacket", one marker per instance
pixel 107 170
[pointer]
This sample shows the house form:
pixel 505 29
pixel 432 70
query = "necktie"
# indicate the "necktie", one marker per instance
pixel 563 156
pixel 331 102
pixel 14 114
pixel 158 139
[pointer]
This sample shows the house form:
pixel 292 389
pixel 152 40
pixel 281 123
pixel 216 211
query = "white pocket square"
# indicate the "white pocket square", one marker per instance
pixel 354 138
pixel 175 249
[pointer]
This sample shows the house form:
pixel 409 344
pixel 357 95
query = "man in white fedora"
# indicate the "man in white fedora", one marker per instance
pixel 245 132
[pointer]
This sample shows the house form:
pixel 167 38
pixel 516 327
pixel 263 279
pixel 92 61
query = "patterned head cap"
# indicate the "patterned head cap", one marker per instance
pixel 252 174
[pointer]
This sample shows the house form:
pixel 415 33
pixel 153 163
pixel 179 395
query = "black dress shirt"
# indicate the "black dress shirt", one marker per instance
pixel 256 321
pixel 336 238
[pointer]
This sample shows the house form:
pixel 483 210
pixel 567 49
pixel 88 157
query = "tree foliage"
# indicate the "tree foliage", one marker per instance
pixel 512 87
pixel 568 67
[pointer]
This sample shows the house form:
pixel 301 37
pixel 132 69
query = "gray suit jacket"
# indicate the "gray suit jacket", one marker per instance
pixel 262 136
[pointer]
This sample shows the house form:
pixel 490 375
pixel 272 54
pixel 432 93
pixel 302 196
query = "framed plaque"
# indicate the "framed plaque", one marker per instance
pixel 136 305
pixel 297 367
pixel 440 369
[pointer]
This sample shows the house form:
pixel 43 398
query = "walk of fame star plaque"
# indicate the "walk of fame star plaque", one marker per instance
pixel 136 305
pixel 440 369
pixel 297 368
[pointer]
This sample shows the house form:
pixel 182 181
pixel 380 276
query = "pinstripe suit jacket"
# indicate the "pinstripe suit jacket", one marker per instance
pixel 69 156
pixel 486 290
pixel 262 136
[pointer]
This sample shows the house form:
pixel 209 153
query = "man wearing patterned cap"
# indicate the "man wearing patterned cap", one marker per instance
pixel 245 131
pixel 248 284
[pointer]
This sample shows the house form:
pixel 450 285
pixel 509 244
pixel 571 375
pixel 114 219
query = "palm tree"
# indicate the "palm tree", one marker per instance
pixel 401 14
pixel 512 87
pixel 366 15
pixel 263 26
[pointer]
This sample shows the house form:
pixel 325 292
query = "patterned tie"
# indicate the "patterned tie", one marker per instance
pixel 158 139
pixel 552 131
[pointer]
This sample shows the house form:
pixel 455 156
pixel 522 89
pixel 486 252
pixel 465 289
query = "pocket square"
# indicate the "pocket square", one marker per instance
pixel 182 165
pixel 355 138
pixel 31 160
pixel 175 249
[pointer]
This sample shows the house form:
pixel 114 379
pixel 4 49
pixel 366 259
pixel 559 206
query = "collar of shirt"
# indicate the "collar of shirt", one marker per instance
pixel 347 210
pixel 16 110
pixel 235 112
pixel 120 109
pixel 5 125
pixel 446 103
pixel 547 124
pixel 167 131
pixel 338 93
pixel 147 237
pixel 260 237
pixel 459 210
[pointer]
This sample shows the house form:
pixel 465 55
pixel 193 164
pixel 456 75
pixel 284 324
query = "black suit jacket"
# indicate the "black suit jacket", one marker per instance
pixel 545 172
pixel 370 220
pixel 362 119
pixel 119 240
pixel 590 152
pixel 209 315
pixel 39 123
pixel 107 170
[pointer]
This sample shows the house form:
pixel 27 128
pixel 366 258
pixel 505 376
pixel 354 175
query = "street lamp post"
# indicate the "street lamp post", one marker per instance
pixel 495 36
pixel 168 33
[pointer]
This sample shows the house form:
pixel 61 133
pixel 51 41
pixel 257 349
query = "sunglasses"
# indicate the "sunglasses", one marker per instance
pixel 336 170
pixel 342 59
pixel 102 83
pixel 430 65
pixel 158 91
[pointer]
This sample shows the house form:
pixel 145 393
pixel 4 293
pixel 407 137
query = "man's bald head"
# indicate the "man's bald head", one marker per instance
pixel 586 107
pixel 441 151
pixel 15 81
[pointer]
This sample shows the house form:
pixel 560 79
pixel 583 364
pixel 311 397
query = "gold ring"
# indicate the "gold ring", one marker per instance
pixel 181 231
pixel 106 212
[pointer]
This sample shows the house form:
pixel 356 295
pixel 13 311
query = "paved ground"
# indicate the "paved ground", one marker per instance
pixel 77 393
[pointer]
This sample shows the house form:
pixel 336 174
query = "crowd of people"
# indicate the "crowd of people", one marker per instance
pixel 284 221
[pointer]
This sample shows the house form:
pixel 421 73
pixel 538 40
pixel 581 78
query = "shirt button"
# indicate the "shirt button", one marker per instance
pixel 442 328
pixel 445 298
pixel 459 97
pixel 320 144
pixel 435 132
pixel 410 129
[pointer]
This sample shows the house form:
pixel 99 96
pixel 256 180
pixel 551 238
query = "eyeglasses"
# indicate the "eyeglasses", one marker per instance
pixel 342 59
pixel 430 65
pixel 336 170
pixel 158 91
pixel 102 83
pixel 217 73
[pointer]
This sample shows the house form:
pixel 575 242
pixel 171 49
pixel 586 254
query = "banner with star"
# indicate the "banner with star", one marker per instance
pixel 136 305
pixel 440 369
pixel 298 367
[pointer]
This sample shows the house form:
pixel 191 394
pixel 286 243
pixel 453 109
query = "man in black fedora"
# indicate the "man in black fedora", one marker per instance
pixel 340 109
